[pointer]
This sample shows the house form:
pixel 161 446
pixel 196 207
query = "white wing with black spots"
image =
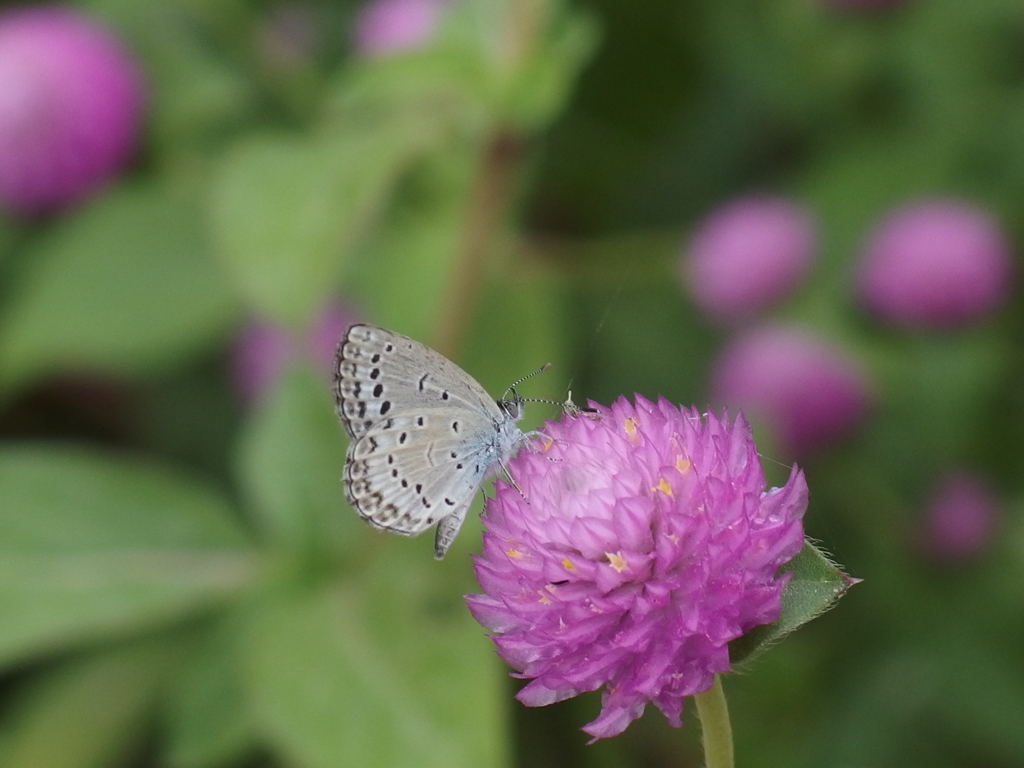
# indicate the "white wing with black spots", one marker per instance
pixel 424 434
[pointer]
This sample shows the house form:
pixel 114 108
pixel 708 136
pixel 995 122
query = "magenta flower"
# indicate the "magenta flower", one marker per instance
pixel 643 540
pixel 748 255
pixel 806 390
pixel 937 264
pixel 264 350
pixel 960 519
pixel 70 107
pixel 386 27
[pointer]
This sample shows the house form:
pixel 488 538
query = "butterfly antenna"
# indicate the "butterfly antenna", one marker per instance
pixel 517 382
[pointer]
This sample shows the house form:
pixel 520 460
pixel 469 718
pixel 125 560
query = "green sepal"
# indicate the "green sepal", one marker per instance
pixel 815 586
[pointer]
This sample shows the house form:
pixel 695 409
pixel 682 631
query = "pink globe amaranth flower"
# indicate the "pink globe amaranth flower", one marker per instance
pixel 264 350
pixel 386 27
pixel 935 263
pixel 747 255
pixel 960 519
pixel 806 390
pixel 643 540
pixel 70 106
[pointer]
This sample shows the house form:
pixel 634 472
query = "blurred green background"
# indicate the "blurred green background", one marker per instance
pixel 181 582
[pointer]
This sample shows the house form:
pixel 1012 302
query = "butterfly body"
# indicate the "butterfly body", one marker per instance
pixel 424 434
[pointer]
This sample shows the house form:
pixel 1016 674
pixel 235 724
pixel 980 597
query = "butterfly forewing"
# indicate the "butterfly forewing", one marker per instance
pixel 376 367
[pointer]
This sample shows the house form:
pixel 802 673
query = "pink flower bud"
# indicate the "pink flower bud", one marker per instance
pixel 264 350
pixel 70 106
pixel 386 27
pixel 960 518
pixel 747 255
pixel 936 264
pixel 807 391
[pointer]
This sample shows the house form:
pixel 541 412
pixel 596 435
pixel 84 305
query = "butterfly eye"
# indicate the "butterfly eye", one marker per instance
pixel 512 408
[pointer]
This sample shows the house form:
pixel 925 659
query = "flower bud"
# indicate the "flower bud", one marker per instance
pixel 806 390
pixel 935 264
pixel 386 27
pixel 264 350
pixel 748 255
pixel 70 106
pixel 960 518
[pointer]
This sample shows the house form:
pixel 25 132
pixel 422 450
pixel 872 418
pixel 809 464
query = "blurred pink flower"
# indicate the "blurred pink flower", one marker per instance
pixel 386 27
pixel 70 107
pixel 641 540
pixel 747 255
pixel 264 350
pixel 960 518
pixel 806 390
pixel 935 263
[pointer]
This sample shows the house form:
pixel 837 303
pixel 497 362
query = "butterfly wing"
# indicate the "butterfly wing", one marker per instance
pixel 379 372
pixel 422 433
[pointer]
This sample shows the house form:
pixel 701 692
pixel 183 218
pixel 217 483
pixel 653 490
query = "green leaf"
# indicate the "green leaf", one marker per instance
pixel 385 670
pixel 546 80
pixel 93 546
pixel 197 92
pixel 816 585
pixel 208 721
pixel 290 465
pixel 287 212
pixel 86 714
pixel 440 91
pixel 404 270
pixel 124 286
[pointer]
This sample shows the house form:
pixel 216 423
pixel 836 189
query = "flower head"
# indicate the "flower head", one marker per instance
pixel 936 264
pixel 70 106
pixel 386 27
pixel 747 255
pixel 960 519
pixel 643 540
pixel 807 390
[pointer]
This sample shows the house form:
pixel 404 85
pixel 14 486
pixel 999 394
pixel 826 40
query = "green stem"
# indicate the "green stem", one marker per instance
pixel 489 203
pixel 714 722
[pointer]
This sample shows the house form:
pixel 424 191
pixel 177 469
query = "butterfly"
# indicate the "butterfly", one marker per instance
pixel 425 435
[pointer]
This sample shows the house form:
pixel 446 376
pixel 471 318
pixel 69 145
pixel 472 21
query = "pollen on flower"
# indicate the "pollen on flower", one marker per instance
pixel 543 598
pixel 513 553
pixel 682 465
pixel 546 444
pixel 630 425
pixel 663 487
pixel 567 564
pixel 616 561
